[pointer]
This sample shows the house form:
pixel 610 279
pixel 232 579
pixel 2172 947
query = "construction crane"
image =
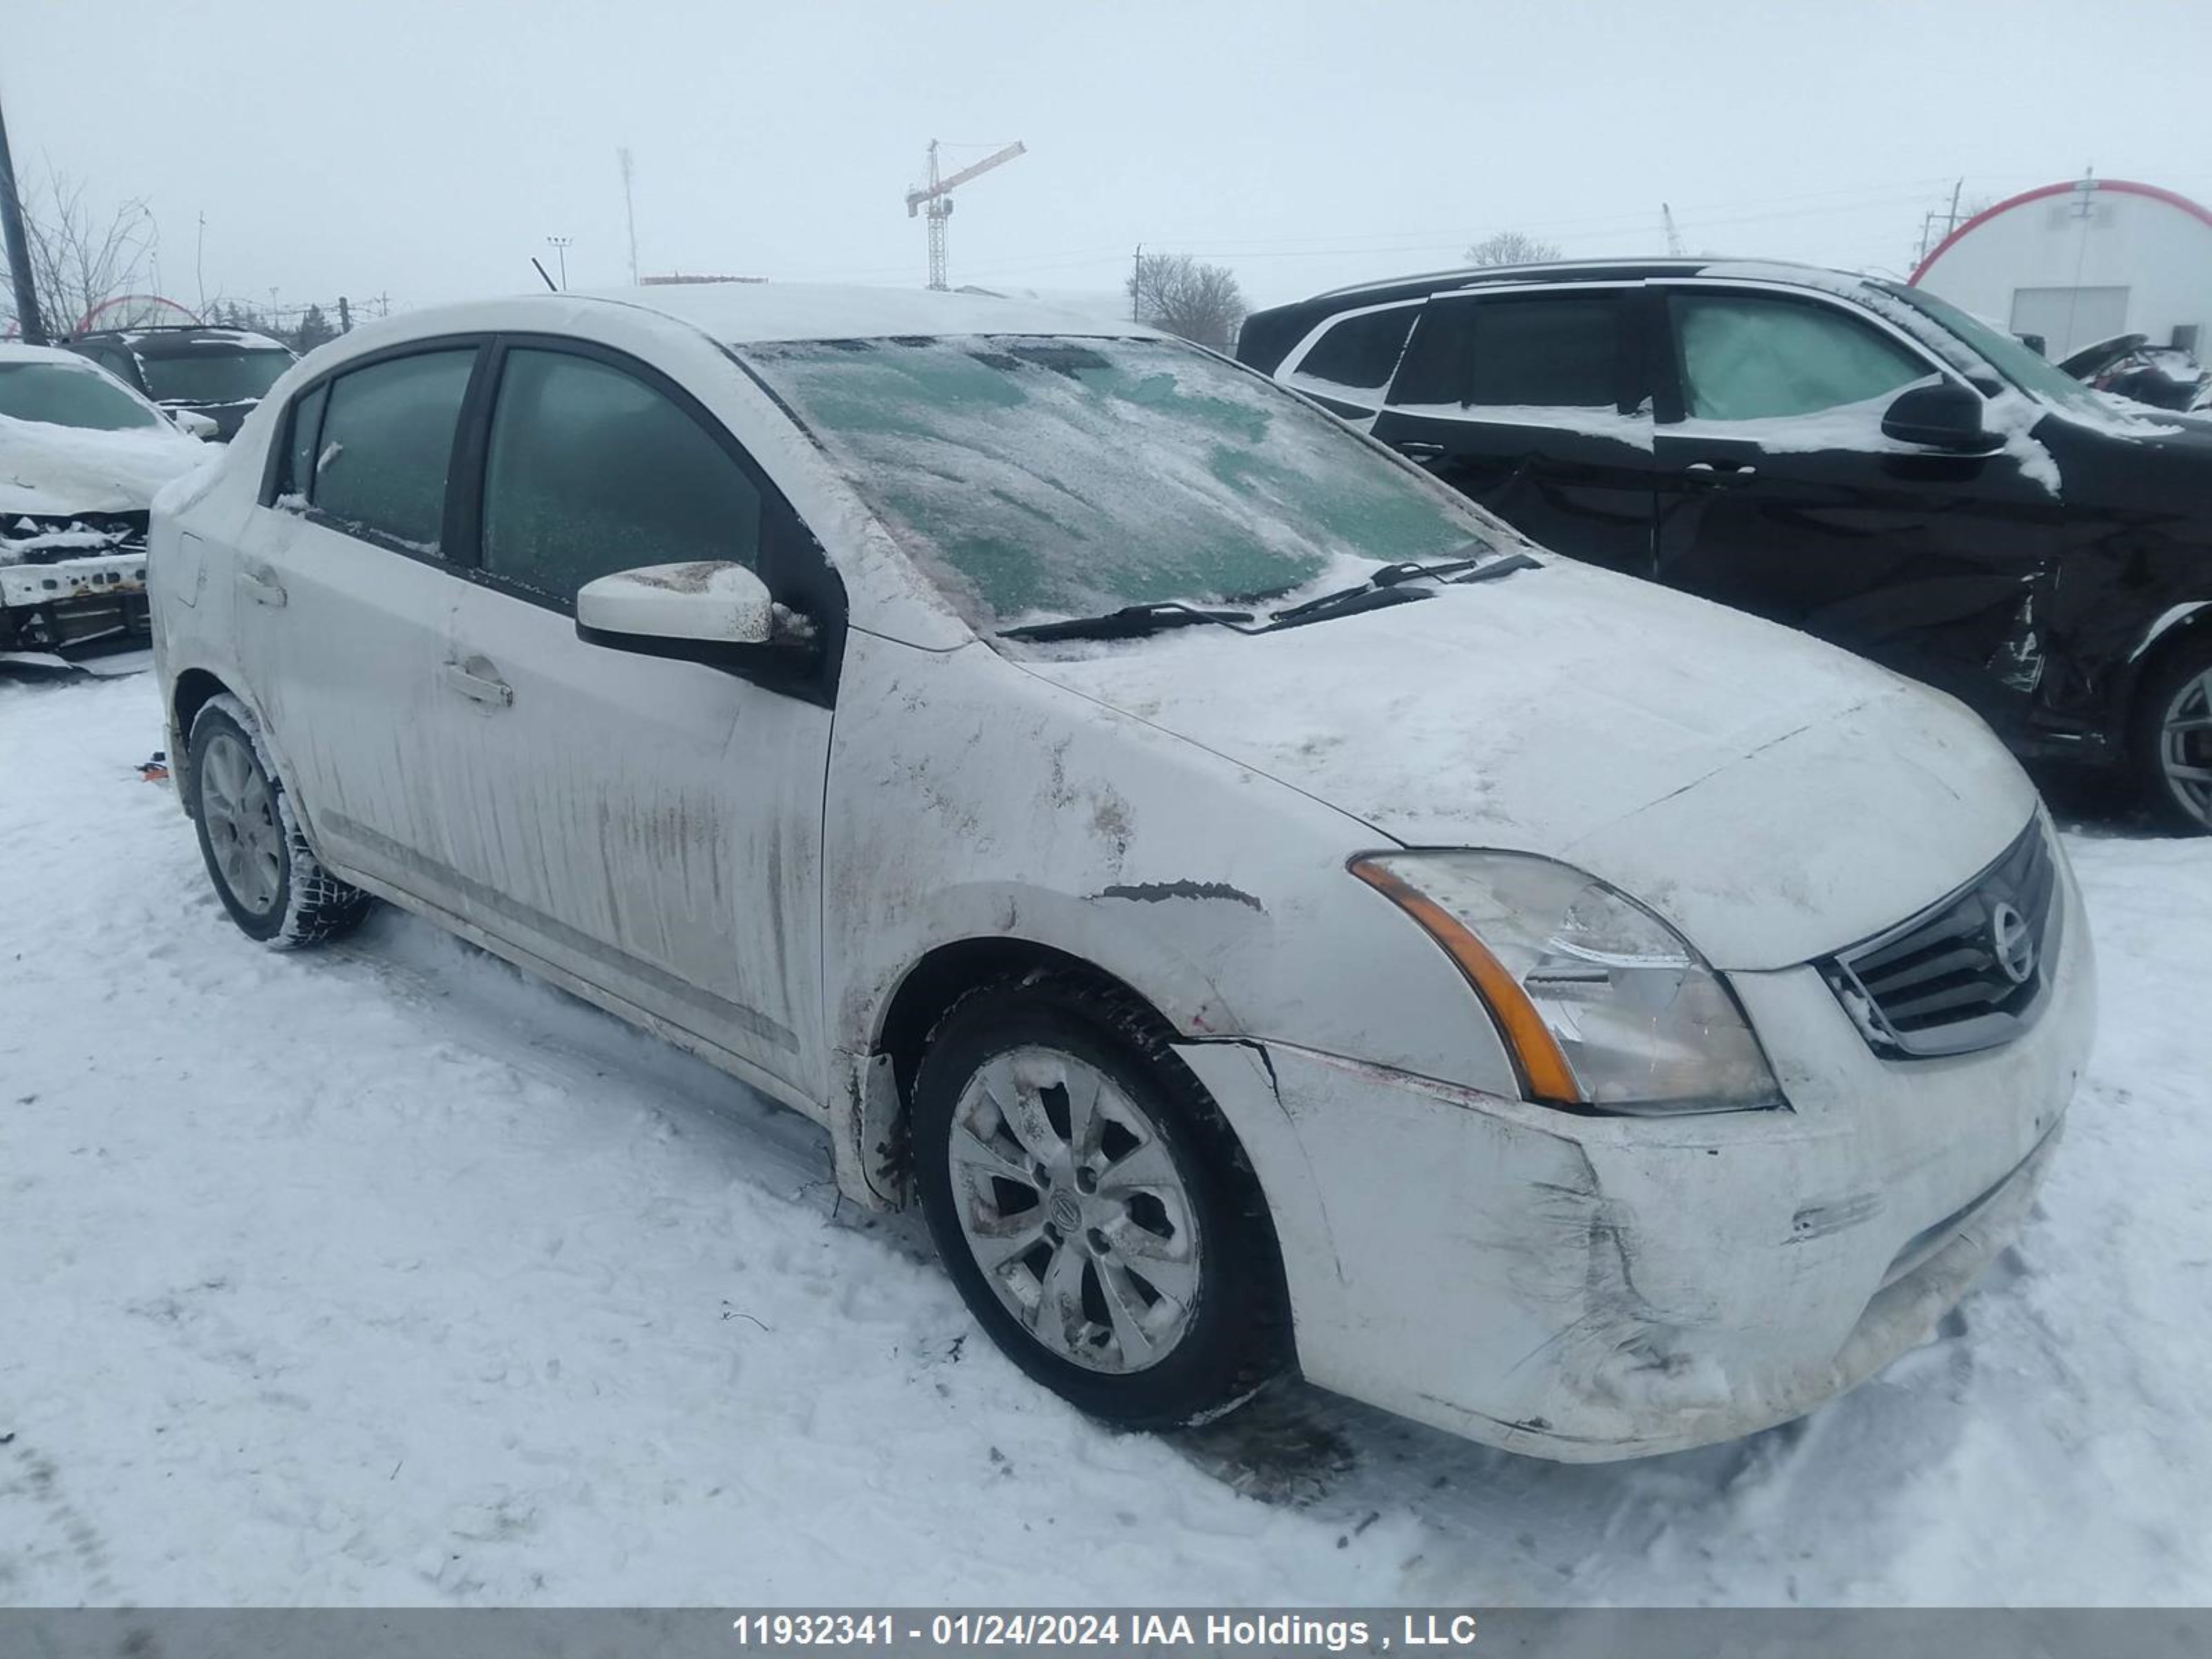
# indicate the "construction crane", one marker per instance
pixel 934 201
pixel 1674 236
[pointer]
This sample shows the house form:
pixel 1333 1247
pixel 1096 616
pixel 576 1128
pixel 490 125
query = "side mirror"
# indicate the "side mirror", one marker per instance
pixel 707 612
pixel 193 424
pixel 1943 415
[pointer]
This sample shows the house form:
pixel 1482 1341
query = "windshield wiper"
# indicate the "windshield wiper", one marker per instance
pixel 1131 621
pixel 1378 589
pixel 1384 588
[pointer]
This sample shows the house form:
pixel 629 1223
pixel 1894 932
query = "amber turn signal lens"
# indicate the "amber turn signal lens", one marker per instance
pixel 1536 1052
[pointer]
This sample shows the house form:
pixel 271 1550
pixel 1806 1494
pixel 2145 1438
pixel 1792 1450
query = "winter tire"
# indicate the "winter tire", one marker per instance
pixel 267 877
pixel 2173 740
pixel 1093 1207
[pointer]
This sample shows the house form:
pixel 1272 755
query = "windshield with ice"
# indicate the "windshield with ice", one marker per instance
pixel 1035 477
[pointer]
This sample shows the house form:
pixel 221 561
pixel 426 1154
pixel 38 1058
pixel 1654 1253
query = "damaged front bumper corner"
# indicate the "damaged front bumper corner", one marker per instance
pixel 1588 1288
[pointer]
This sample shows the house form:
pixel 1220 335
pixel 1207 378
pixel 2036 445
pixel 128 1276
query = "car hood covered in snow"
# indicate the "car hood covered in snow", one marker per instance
pixel 54 471
pixel 1773 797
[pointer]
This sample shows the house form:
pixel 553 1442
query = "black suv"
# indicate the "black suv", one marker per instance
pixel 1849 456
pixel 220 373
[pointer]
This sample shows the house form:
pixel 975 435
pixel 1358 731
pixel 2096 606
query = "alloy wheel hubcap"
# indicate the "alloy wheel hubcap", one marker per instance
pixel 1075 1211
pixel 241 822
pixel 2186 747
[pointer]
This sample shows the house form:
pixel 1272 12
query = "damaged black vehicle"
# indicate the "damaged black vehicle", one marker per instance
pixel 1842 455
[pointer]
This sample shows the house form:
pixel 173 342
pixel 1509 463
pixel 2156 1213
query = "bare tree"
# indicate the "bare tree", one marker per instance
pixel 1200 302
pixel 1512 248
pixel 80 254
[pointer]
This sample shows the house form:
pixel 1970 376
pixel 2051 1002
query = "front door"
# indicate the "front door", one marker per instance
pixel 1532 401
pixel 1779 494
pixel 652 826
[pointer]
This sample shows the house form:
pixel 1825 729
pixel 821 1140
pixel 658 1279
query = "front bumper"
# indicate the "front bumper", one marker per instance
pixel 68 601
pixel 1589 1288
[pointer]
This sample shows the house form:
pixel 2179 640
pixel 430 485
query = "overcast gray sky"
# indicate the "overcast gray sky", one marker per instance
pixel 426 151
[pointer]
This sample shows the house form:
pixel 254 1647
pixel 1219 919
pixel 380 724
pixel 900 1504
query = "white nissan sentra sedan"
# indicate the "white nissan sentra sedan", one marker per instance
pixel 1263 911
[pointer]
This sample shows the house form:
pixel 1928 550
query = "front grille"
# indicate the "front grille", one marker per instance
pixel 1969 972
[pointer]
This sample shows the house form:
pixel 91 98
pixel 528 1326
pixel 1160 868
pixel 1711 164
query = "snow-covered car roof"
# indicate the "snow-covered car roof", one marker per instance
pixel 743 314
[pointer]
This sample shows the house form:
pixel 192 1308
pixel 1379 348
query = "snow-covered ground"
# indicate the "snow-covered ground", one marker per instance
pixel 383 1274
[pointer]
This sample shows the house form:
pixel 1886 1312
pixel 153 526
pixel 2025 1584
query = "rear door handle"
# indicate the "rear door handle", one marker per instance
pixel 486 687
pixel 1718 475
pixel 1421 452
pixel 261 585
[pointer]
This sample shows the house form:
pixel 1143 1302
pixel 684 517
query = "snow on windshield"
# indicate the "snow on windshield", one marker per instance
pixel 1034 478
pixel 65 393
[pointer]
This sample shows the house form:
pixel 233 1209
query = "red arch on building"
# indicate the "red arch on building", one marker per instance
pixel 113 300
pixel 2125 186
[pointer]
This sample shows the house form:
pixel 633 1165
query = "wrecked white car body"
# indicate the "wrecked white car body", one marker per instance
pixel 1553 1008
pixel 82 456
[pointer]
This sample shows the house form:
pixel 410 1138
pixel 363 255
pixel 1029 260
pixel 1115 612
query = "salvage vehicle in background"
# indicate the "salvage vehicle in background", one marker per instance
pixel 218 373
pixel 1850 456
pixel 2129 365
pixel 80 457
pixel 1265 911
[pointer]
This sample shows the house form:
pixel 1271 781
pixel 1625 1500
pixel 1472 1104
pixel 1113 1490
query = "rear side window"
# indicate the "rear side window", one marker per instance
pixel 591 470
pixel 387 445
pixel 1358 354
pixel 1746 357
pixel 1537 350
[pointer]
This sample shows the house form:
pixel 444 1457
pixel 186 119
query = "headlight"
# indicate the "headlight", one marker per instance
pixel 1602 1004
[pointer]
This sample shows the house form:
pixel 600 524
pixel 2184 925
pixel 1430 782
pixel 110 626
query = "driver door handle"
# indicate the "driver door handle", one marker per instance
pixel 486 687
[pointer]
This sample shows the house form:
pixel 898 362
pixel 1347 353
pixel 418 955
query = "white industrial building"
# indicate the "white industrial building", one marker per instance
pixel 2081 261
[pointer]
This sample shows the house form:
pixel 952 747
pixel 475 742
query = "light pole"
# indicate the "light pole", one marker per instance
pixel 559 246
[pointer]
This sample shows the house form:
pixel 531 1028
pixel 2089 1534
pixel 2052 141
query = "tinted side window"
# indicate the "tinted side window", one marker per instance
pixel 1748 358
pixel 1541 350
pixel 1360 353
pixel 591 472
pixel 386 443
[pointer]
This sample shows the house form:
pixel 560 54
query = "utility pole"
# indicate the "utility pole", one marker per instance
pixel 629 211
pixel 29 324
pixel 559 246
pixel 1137 284
pixel 345 316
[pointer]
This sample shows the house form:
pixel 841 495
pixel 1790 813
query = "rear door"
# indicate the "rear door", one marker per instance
pixel 1533 401
pixel 1779 494
pixel 650 825
pixel 344 596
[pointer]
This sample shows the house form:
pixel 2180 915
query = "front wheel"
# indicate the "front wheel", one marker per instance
pixel 1094 1208
pixel 265 873
pixel 2174 741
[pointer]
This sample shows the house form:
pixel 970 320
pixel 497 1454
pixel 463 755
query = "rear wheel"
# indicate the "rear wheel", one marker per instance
pixel 267 877
pixel 2173 740
pixel 1093 1207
